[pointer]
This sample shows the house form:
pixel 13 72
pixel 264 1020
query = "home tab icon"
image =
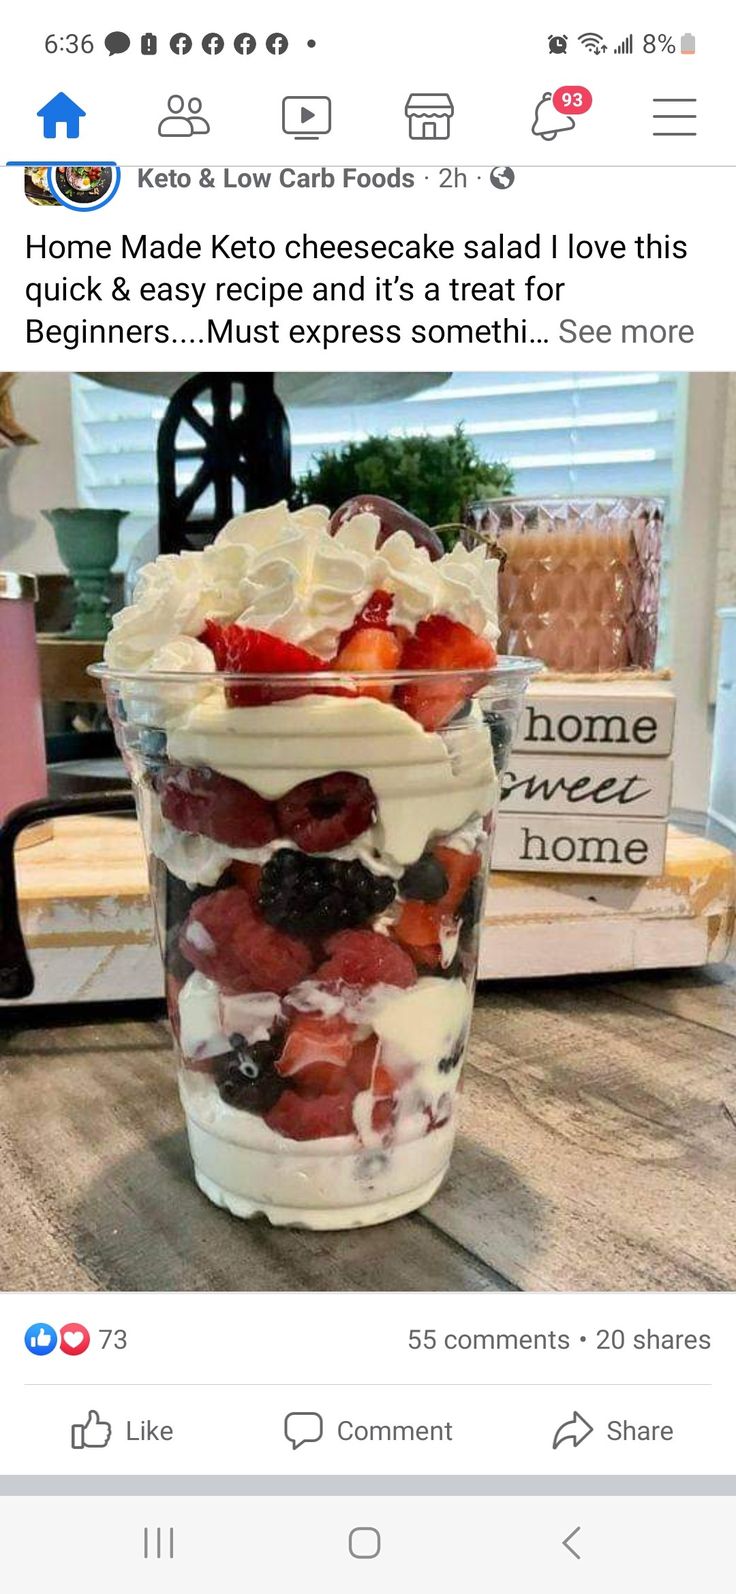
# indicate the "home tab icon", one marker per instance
pixel 429 115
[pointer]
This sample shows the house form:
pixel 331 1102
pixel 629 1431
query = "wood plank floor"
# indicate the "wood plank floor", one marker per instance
pixel 598 1151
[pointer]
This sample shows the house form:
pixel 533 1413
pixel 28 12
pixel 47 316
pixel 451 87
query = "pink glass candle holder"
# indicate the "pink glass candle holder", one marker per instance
pixel 579 585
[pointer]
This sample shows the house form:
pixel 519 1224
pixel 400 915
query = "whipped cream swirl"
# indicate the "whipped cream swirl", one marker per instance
pixel 280 571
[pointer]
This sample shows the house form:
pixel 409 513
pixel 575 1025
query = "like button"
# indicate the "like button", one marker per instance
pixel 40 1339
pixel 93 1434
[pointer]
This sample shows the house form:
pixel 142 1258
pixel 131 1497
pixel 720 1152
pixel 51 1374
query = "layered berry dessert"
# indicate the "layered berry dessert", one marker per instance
pixel 307 709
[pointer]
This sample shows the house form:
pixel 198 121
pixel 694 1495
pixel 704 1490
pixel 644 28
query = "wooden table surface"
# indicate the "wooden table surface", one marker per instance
pixel 598 1151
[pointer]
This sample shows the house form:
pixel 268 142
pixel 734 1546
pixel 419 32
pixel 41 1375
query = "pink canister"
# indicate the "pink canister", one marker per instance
pixel 22 751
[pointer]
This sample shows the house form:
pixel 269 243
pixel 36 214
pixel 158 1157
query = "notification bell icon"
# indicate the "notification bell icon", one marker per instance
pixel 548 121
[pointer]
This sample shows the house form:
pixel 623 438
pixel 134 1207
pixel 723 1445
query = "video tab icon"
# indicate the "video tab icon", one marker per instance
pixel 306 116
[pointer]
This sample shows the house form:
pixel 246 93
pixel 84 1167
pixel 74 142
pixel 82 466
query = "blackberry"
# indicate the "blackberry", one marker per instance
pixel 317 896
pixel 502 735
pixel 246 1077
pixel 424 880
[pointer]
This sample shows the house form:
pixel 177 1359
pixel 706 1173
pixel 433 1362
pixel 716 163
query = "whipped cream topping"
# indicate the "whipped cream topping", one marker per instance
pixel 421 787
pixel 280 571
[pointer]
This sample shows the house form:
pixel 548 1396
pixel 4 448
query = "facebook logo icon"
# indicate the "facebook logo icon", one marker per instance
pixel 181 44
pixel 277 43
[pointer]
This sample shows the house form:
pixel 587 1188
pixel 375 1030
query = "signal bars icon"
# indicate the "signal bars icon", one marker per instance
pixel 626 47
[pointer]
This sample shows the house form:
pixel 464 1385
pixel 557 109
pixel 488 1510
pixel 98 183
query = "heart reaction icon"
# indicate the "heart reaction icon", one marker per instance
pixel 74 1339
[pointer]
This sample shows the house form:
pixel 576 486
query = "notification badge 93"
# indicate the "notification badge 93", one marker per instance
pixel 555 113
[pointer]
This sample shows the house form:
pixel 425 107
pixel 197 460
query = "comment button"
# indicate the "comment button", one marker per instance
pixel 303 1428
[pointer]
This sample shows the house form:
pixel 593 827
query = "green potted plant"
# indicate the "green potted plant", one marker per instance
pixel 434 477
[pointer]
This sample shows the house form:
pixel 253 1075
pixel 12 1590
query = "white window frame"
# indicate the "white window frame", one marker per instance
pixel 693 565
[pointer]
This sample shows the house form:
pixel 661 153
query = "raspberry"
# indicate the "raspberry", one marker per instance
pixel 362 958
pixel 224 938
pixel 316 896
pixel 320 815
pixel 244 651
pixel 441 644
pixel 312 1117
pixel 207 804
pixel 247 875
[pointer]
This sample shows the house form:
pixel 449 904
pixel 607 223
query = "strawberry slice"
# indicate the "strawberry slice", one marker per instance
pixel 369 652
pixel 367 1073
pixel 383 1115
pixel 441 644
pixel 419 924
pixel 374 616
pixel 316 1053
pixel 243 651
pixel 417 930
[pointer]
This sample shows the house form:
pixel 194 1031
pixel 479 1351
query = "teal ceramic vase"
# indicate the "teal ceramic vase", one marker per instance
pixel 87 540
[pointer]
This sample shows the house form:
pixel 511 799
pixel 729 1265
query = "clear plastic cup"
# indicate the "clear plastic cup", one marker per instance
pixel 318 857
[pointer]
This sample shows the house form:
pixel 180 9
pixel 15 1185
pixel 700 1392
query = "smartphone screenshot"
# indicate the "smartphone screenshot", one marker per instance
pixel 367 798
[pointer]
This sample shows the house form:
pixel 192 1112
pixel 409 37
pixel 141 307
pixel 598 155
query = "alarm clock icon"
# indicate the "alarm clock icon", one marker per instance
pixel 558 44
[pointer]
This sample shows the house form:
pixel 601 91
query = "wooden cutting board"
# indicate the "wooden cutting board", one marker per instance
pixel 89 924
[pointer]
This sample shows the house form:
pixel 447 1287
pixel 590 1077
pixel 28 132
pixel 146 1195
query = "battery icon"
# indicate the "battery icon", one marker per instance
pixel 687 44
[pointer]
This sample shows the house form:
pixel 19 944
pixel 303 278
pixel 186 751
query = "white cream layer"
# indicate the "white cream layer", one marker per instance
pixel 248 1168
pixel 207 1017
pixel 423 784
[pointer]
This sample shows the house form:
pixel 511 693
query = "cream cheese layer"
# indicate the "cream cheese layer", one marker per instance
pixel 425 784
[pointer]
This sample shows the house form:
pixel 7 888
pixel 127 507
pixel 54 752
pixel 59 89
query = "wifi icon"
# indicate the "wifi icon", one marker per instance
pixel 593 42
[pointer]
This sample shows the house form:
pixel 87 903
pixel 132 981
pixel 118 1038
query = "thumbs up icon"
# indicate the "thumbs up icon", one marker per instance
pixel 93 1434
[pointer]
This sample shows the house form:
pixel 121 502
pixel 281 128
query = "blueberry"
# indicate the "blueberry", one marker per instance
pixel 502 735
pixel 424 880
pixel 152 744
pixel 449 1064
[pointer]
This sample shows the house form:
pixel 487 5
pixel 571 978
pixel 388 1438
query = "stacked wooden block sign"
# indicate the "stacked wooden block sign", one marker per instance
pixel 589 779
